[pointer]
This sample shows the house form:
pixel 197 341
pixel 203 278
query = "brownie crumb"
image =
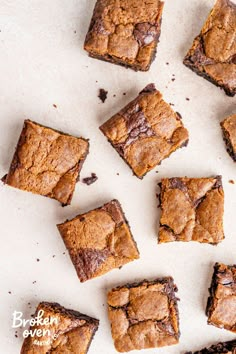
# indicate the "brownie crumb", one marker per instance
pixel 9 292
pixel 173 79
pixel 114 95
pixel 54 105
pixel 231 181
pixel 187 99
pixel 16 334
pixel 167 63
pixel 53 256
pixel 74 31
pixel 124 93
pixel 102 95
pixel 90 180
pixel 64 253
pixel 118 174
pixel 37 259
pixel 34 282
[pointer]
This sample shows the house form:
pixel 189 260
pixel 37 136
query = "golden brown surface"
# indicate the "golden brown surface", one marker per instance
pixel 144 315
pixel 125 32
pixel 213 53
pixel 146 131
pixel 99 241
pixel 191 210
pixel 47 162
pixel 72 330
pixel 229 132
pixel 221 307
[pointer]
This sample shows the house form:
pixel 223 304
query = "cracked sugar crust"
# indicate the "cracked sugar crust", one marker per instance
pixel 221 306
pixel 73 331
pixel 229 133
pixel 99 241
pixel 213 53
pixel 191 210
pixel 125 32
pixel 47 162
pixel 144 315
pixel 146 131
pixel 219 348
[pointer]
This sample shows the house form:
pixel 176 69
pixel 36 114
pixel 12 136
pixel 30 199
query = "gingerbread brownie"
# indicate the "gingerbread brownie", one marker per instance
pixel 144 315
pixel 191 210
pixel 221 305
pixel 146 131
pixel 213 53
pixel 220 348
pixel 99 241
pixel 47 162
pixel 229 133
pixel 125 32
pixel 60 331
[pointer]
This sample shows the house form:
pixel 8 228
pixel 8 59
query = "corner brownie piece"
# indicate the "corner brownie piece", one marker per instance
pixel 220 348
pixel 146 131
pixel 191 210
pixel 144 315
pixel 229 133
pixel 221 305
pixel 47 162
pixel 99 241
pixel 62 331
pixel 213 53
pixel 125 32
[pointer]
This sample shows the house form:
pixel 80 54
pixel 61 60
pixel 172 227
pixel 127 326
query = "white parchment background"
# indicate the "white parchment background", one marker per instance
pixel 42 63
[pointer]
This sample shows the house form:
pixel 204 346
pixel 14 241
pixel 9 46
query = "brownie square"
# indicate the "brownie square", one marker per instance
pixel 144 315
pixel 47 162
pixel 99 241
pixel 229 133
pixel 191 210
pixel 221 305
pixel 146 131
pixel 66 331
pixel 125 32
pixel 213 53
pixel 220 348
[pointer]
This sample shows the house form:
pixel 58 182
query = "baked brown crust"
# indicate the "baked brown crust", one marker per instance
pixel 73 330
pixel 229 133
pixel 191 210
pixel 144 315
pixel 47 162
pixel 221 305
pixel 213 53
pixel 146 131
pixel 99 241
pixel 125 32
pixel 219 348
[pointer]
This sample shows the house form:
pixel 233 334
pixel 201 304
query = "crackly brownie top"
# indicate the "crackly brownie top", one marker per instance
pixel 70 331
pixel 214 50
pixel 144 315
pixel 146 131
pixel 47 162
pixel 125 30
pixel 191 210
pixel 229 129
pixel 221 308
pixel 99 241
pixel 220 348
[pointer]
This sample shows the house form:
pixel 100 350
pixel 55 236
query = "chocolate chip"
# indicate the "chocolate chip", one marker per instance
pixel 102 95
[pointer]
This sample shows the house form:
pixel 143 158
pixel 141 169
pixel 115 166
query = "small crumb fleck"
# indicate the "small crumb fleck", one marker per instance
pixel 29 303
pixel 16 334
pixel 124 93
pixel 96 81
pixel 34 282
pixel 118 174
pixel 157 171
pixel 102 95
pixel 173 79
pixel 231 181
pixel 74 31
pixel 37 259
pixel 54 105
pixel 114 95
pixel 167 63
pixel 53 256
pixel 187 99
pixel 64 253
pixel 171 104
pixel 9 292
pixel 90 180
